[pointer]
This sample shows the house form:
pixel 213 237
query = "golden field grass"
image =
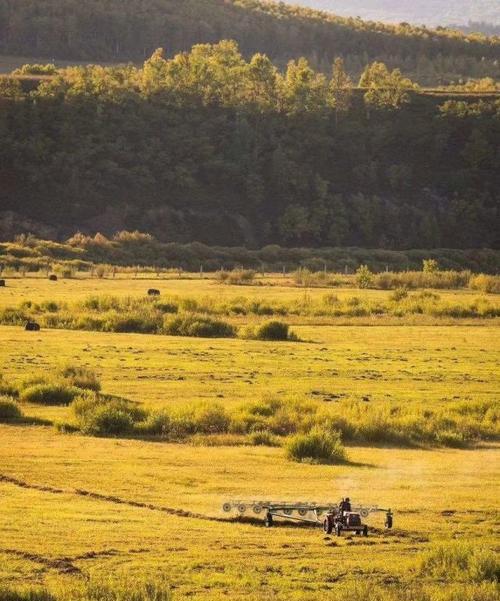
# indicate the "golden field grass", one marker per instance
pixel 59 534
pixel 271 287
pixel 211 559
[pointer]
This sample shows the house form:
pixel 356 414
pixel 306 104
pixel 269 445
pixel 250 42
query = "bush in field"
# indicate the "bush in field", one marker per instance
pixel 422 279
pixel 461 561
pixel 132 323
pixel 237 277
pixel 364 277
pixel 211 419
pixel 398 295
pixel 274 330
pixel 81 377
pixel 106 416
pixel 198 326
pixel 430 266
pixel 9 410
pixel 167 307
pixel 316 446
pixel 49 394
pixel 489 284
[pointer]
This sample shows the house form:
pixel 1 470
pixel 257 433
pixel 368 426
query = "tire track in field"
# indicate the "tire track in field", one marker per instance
pixel 111 499
pixel 63 565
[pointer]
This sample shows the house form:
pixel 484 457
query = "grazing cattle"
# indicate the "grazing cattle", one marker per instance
pixel 53 278
pixel 2 283
pixel 32 326
pixel 153 292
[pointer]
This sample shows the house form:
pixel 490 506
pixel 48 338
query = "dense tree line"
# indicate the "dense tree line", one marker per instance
pixel 113 30
pixel 208 146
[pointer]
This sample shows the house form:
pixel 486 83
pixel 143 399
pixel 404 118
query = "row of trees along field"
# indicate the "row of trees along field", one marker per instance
pixel 208 146
pixel 120 31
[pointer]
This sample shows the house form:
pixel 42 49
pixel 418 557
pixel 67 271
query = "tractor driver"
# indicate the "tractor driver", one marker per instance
pixel 345 506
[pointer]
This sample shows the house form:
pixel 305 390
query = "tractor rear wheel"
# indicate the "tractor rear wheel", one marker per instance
pixel 328 525
pixel 338 529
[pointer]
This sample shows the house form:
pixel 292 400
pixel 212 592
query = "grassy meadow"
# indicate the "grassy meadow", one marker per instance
pixel 75 506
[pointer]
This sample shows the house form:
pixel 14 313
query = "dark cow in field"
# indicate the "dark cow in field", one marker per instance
pixel 2 283
pixel 53 277
pixel 32 326
pixel 153 292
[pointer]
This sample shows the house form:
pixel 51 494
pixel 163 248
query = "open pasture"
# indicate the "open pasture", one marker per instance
pixel 270 287
pixel 423 365
pixel 53 534
pixel 73 506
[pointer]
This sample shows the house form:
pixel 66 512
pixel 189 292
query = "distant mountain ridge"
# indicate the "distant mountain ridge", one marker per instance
pixel 117 31
pixel 428 12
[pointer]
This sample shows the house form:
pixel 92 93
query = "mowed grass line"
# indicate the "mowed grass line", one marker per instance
pixel 213 558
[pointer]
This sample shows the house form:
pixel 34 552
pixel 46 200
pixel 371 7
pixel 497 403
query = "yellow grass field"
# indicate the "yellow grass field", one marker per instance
pixel 73 506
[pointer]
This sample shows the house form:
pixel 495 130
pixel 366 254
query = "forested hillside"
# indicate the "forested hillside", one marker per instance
pixel 428 12
pixel 210 147
pixel 113 30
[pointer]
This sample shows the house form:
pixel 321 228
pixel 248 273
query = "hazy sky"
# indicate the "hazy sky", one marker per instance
pixel 429 12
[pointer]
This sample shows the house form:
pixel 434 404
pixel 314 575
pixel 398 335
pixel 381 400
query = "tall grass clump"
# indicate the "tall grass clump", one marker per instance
pixel 198 326
pixel 8 389
pixel 9 410
pixel 421 279
pixel 81 377
pixel 236 277
pixel 49 394
pixel 102 415
pixel 121 587
pixel 316 446
pixel 26 594
pixel 461 562
pixel 273 330
pixel 489 284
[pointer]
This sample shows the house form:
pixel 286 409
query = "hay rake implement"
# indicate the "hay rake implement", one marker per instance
pixel 300 511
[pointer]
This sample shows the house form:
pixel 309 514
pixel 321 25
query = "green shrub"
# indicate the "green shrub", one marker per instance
pixel 106 416
pixel 211 419
pixel 317 446
pixel 9 410
pixel 81 377
pixel 132 323
pixel 236 277
pixel 274 330
pixel 198 326
pixel 157 423
pixel 460 561
pixel 430 266
pixel 49 394
pixel 364 277
pixel 398 295
pixel 167 307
